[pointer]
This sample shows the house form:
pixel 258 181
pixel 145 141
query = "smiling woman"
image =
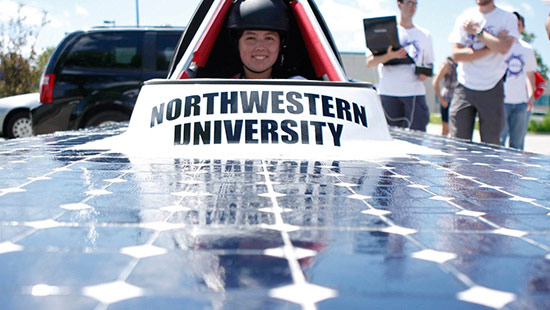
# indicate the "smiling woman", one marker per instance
pixel 259 49
pixel 259 28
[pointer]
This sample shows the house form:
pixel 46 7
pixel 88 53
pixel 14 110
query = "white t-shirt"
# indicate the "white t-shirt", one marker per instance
pixel 400 80
pixel 521 59
pixel 486 72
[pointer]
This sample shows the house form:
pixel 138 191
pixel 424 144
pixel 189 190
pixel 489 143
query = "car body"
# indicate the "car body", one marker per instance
pixel 187 113
pixel 446 224
pixel 15 120
pixel 93 77
pixel 205 50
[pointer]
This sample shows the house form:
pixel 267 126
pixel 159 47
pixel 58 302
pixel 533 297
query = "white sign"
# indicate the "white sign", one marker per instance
pixel 245 118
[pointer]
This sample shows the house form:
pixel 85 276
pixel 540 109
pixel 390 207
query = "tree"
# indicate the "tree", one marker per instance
pixel 43 59
pixel 19 70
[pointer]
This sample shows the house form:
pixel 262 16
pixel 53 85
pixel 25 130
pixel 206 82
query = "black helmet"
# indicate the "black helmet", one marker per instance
pixel 258 15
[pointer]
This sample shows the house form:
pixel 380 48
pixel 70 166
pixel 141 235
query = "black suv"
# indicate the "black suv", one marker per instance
pixel 94 76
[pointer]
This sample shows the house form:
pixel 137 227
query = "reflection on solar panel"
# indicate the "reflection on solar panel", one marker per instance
pixel 93 229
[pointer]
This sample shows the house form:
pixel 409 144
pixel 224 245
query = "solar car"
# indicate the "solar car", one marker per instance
pixel 202 108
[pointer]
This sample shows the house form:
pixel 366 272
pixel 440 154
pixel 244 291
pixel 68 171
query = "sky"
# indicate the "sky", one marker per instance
pixel 344 18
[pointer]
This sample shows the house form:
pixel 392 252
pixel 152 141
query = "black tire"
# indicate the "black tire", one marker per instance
pixel 106 118
pixel 18 125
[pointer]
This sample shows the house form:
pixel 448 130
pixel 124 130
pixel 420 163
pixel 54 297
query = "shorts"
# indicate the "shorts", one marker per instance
pixel 445 111
pixel 406 112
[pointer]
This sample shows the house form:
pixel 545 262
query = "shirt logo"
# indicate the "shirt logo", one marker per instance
pixel 515 64
pixel 413 49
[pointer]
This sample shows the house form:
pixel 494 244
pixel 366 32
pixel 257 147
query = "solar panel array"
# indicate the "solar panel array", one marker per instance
pixel 94 229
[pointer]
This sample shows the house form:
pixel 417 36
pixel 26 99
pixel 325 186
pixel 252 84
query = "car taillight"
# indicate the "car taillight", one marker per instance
pixel 46 88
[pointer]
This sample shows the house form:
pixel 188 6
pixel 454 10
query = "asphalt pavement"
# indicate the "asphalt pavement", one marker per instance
pixel 534 142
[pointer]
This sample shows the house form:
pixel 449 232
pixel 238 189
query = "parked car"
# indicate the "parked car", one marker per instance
pixel 15 119
pixel 94 76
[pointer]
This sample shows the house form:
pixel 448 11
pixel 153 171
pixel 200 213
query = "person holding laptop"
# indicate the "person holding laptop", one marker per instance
pixel 401 87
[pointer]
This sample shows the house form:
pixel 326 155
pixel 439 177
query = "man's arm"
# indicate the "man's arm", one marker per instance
pixel 531 87
pixel 548 26
pixel 498 44
pixel 467 54
pixel 373 61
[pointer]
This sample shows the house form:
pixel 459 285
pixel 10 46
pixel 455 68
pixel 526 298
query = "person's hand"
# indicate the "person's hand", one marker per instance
pixel 422 77
pixel 471 27
pixel 400 53
pixel 444 103
pixel 530 103
pixel 503 34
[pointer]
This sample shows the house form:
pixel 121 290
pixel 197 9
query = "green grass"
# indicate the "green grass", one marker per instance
pixel 534 126
pixel 436 119
pixel 542 126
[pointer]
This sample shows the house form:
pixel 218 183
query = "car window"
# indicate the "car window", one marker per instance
pixel 166 44
pixel 121 50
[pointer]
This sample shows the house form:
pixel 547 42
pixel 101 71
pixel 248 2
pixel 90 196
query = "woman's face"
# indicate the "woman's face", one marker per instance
pixel 259 50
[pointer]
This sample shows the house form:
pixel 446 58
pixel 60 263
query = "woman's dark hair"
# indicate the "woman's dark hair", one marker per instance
pixel 520 18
